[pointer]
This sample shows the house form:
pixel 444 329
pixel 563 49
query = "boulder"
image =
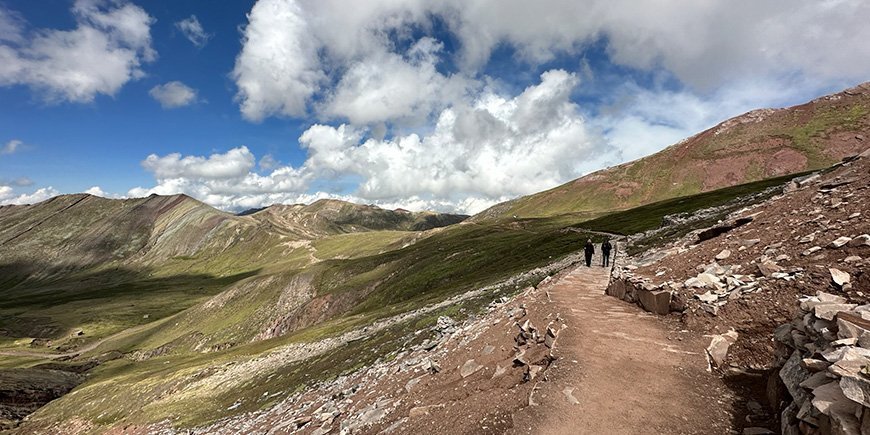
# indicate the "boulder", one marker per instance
pixel 655 301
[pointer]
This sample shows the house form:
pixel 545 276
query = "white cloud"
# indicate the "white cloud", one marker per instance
pixel 97 191
pixel 173 94
pixel 105 51
pixel 478 154
pixel 391 87
pixel 278 69
pixel 11 147
pixel 193 31
pixel 7 196
pixel 298 51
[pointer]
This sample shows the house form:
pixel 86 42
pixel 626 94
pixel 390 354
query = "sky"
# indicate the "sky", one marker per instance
pixel 445 105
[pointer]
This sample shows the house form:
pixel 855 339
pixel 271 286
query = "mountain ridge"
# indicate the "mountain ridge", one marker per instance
pixel 759 144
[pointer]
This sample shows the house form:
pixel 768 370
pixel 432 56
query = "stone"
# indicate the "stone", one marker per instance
pixel 844 423
pixel 808 413
pixel 569 395
pixel 431 366
pixel 707 297
pixel 768 268
pixel 693 282
pixel 488 349
pixel 814 365
pixel 709 280
pixel 656 301
pixel 419 411
pixel 840 242
pixel 782 334
pixel 808 238
pixel 499 370
pixel 856 388
pixel 550 338
pixel 723 255
pixel 712 309
pixel 532 372
pixel 469 368
pixel 845 342
pixel 848 329
pixel 520 358
pixel 409 386
pixel 839 277
pixel 830 298
pixel 862 240
pixel 829 311
pixel 719 344
pixel 852 259
pixel 792 374
pixel 811 251
pixel 816 380
pixel 678 302
pixel 830 397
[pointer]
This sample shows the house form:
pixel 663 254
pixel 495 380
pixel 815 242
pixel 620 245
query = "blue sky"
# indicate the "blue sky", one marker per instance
pixel 449 106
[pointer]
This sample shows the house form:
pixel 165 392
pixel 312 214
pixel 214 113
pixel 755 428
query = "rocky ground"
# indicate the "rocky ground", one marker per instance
pixel 797 262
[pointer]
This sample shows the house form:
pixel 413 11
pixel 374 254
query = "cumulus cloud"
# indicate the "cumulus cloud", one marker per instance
pixel 478 154
pixel 97 191
pixel 352 62
pixel 278 69
pixel 7 195
pixel 193 31
pixel 224 180
pixel 106 50
pixel 11 147
pixel 173 94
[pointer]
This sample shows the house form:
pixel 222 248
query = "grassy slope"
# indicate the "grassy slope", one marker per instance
pixel 696 165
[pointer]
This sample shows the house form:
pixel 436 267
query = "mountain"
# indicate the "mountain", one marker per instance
pixel 329 216
pixel 757 145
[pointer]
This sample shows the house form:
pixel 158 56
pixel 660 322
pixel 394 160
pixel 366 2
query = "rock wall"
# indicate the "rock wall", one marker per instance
pixel 824 357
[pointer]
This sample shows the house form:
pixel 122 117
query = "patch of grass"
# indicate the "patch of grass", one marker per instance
pixel 648 217
pixel 355 245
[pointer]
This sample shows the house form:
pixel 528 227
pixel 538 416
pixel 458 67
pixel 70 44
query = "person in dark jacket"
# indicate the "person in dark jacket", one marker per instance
pixel 606 247
pixel 588 251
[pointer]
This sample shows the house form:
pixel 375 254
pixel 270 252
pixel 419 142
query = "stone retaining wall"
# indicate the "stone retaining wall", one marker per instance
pixel 824 358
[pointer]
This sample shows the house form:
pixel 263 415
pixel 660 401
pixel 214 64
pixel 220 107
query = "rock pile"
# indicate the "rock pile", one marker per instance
pixel 825 367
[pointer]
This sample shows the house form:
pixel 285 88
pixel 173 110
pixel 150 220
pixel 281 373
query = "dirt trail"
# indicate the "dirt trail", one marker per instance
pixel 625 370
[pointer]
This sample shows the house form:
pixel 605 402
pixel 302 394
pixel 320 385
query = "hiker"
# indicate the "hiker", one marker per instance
pixel 605 253
pixel 589 250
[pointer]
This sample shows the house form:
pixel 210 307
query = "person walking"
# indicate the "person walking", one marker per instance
pixel 589 250
pixel 606 247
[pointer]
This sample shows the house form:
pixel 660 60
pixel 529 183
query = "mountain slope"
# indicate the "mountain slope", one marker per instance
pixel 757 145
